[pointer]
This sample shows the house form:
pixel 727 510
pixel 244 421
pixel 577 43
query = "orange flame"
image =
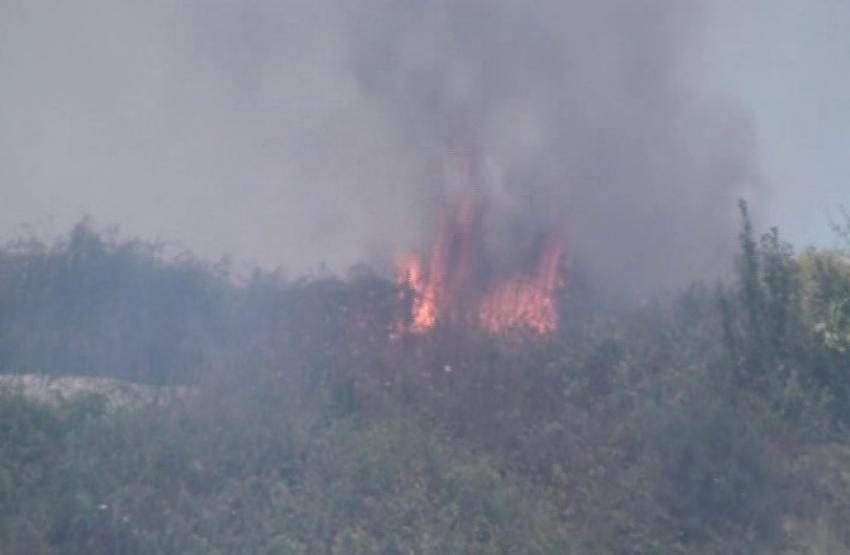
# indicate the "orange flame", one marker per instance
pixel 432 291
pixel 526 302
pixel 424 308
pixel 447 292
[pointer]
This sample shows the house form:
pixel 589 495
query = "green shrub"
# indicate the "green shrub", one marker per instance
pixel 784 329
pixel 716 479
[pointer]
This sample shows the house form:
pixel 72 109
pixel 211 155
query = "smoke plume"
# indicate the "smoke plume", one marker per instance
pixel 304 131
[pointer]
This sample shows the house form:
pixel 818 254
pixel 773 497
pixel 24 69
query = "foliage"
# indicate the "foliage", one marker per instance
pixel 786 329
pixel 254 478
pixel 708 423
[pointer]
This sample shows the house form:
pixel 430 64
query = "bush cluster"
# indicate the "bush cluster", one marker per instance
pixel 710 423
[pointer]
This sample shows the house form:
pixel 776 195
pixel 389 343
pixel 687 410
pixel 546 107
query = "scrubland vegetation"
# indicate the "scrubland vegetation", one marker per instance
pixel 714 422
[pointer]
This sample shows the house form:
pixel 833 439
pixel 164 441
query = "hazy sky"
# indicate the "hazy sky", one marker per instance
pixel 113 109
pixel 788 62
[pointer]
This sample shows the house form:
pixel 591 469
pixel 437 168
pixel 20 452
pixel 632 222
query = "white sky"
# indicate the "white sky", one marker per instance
pixel 787 62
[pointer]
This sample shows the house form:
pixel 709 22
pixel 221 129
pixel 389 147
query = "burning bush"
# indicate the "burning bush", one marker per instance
pixel 453 284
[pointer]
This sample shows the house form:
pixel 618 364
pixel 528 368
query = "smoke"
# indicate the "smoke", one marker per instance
pixel 309 131
pixel 582 115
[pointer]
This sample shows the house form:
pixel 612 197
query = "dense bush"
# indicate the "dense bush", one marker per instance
pixel 251 477
pixel 94 305
pixel 708 423
pixel 786 326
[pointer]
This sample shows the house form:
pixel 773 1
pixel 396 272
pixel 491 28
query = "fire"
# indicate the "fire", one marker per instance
pixel 526 302
pixel 446 286
pixel 424 307
pixel 436 290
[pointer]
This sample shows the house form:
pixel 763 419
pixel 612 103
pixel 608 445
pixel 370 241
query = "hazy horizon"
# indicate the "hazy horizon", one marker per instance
pixel 281 135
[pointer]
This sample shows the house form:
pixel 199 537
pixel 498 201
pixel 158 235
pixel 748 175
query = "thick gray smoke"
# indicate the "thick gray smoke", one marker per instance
pixel 299 131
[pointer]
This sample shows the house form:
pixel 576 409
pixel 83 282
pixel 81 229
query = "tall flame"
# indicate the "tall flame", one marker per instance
pixel 526 301
pixel 424 307
pixel 449 268
pixel 444 287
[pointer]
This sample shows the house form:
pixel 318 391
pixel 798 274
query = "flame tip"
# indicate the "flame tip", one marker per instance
pixel 522 302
